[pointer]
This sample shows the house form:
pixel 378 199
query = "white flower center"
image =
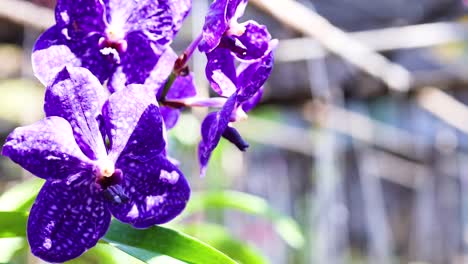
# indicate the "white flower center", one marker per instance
pixel 235 29
pixel 115 33
pixel 106 168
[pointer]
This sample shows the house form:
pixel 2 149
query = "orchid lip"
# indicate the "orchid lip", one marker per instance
pixel 120 45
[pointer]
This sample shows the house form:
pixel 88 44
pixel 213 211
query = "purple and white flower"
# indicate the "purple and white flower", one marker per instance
pixel 124 42
pixel 240 60
pixel 88 180
pixel 244 87
pixel 248 41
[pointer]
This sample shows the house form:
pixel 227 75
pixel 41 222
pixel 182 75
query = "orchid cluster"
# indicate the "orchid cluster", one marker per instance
pixel 114 87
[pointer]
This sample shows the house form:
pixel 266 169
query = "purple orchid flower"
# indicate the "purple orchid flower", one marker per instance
pixel 243 86
pixel 124 42
pixel 248 41
pixel 86 180
pixel 227 42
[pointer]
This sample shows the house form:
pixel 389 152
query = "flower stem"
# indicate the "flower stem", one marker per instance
pixel 217 102
pixel 167 86
pixel 180 65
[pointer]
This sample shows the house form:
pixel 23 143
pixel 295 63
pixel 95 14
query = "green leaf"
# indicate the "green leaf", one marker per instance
pixel 218 237
pixel 164 241
pixel 105 253
pixel 148 245
pixel 149 257
pixel 285 226
pixel 13 224
pixel 21 196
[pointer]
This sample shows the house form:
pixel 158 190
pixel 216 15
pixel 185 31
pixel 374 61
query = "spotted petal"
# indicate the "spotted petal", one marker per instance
pixel 255 41
pixel 162 70
pixel 182 87
pixel 212 129
pixel 253 101
pixel 221 15
pixel 170 116
pixel 133 123
pixel 66 220
pixel 236 9
pixel 47 149
pixel 81 18
pixel 140 58
pixel 78 96
pixel 221 71
pixel 253 76
pixel 143 63
pixel 157 192
pixel 216 24
pixel 51 53
pixel 54 49
pixel 158 20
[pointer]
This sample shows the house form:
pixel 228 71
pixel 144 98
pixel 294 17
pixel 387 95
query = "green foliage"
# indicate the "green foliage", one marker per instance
pixel 286 227
pixel 157 244
pixel 103 253
pixel 161 240
pixel 144 245
pixel 13 224
pixel 218 237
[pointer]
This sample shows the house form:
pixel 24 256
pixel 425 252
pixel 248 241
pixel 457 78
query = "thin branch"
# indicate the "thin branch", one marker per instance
pixel 396 77
pixel 400 168
pixel 342 121
pixel 369 131
pixel 445 107
pixel 309 23
pixel 405 37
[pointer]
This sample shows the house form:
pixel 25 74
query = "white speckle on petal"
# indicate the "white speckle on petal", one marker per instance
pixel 133 212
pixel 171 177
pixel 47 243
pixel 152 201
pixel 65 17
pixel 52 157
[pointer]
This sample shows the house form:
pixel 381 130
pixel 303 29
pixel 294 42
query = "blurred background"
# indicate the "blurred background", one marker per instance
pixel 359 149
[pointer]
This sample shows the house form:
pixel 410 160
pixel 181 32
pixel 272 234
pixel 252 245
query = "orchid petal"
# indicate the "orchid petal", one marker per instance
pixel 66 220
pixel 157 192
pixel 47 149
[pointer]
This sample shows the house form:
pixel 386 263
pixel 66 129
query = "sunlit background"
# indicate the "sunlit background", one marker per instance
pixel 359 146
